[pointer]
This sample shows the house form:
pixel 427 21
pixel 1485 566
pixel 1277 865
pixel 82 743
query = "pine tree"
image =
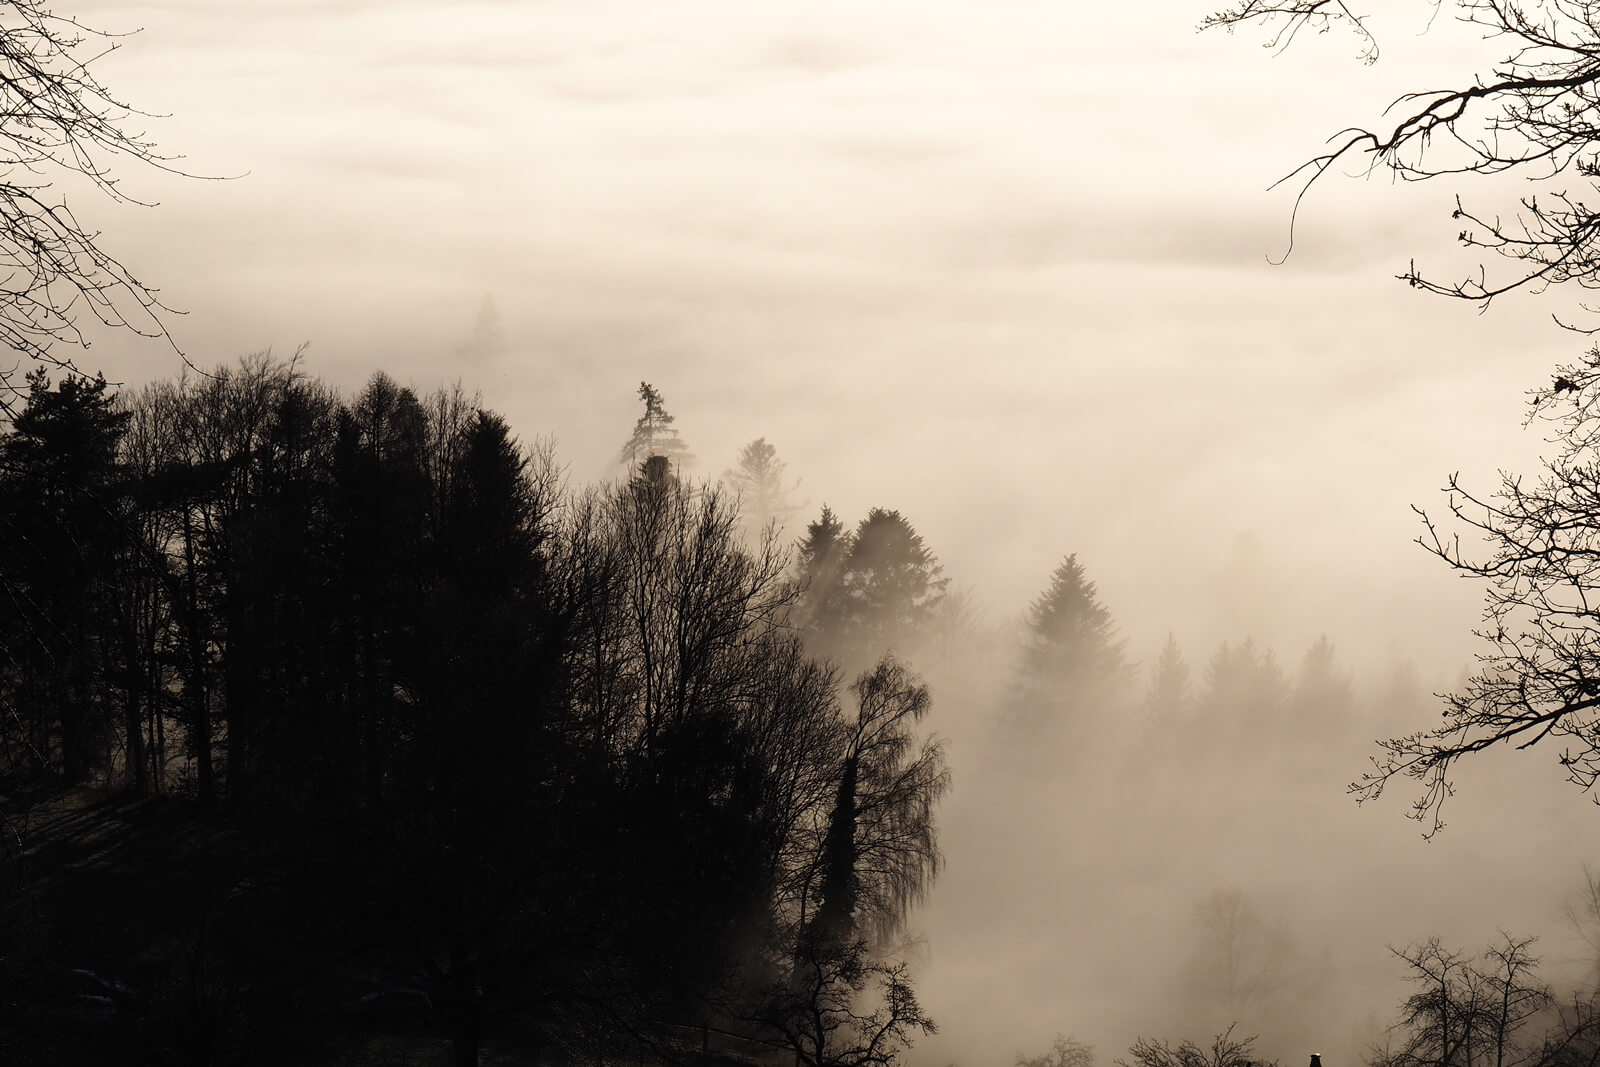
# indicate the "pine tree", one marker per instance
pixel 820 563
pixel 1244 687
pixel 1170 692
pixel 60 535
pixel 1071 641
pixel 760 482
pixel 891 584
pixel 1322 693
pixel 654 435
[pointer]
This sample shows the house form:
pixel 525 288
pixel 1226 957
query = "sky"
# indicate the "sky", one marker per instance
pixel 1010 268
pixel 1005 268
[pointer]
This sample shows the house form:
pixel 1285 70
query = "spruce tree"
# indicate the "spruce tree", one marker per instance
pixel 654 435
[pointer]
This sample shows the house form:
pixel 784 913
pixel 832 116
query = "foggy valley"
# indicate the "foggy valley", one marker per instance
pixel 847 537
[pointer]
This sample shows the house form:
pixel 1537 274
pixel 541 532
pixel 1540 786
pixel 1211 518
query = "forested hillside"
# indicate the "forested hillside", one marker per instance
pixel 550 758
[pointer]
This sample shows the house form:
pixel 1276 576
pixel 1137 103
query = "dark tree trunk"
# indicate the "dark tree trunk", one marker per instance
pixel 133 728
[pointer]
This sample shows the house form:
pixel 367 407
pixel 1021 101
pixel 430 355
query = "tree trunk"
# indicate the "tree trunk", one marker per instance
pixel 133 727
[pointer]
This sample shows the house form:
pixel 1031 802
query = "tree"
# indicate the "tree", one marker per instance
pixel 1066 1052
pixel 1071 638
pixel 1468 1011
pixel 821 1016
pixel 463 853
pixel 1539 677
pixel 1168 694
pixel 870 589
pixel 1225 1051
pixel 875 855
pixel 1535 113
pixel 718 736
pixel 1322 694
pixel 820 563
pixel 1243 960
pixel 879 853
pixel 59 537
pixel 654 435
pixel 763 490
pixel 1244 687
pixel 1072 659
pixel 58 121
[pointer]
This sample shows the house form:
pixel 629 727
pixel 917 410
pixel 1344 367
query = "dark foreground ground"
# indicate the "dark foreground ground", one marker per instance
pixel 133 930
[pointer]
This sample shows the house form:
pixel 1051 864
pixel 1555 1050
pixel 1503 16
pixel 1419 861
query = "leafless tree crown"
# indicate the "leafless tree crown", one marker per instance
pixel 1535 112
pixel 60 125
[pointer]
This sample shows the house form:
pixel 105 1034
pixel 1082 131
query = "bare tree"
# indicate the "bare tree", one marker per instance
pixel 1582 912
pixel 1540 676
pixel 1467 1011
pixel 843 1009
pixel 59 122
pixel 1243 958
pixel 1225 1051
pixel 1066 1052
pixel 1536 113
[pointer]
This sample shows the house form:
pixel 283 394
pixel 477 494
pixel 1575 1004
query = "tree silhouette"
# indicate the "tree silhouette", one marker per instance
pixel 1169 692
pixel 654 435
pixel 1225 1051
pixel 1066 1052
pixel 820 563
pixel 868 590
pixel 1243 960
pixel 1539 677
pixel 879 852
pixel 58 120
pixel 1244 688
pixel 891 580
pixel 876 857
pixel 1533 113
pixel 1469 1011
pixel 763 490
pixel 1071 656
pixel 59 536
pixel 1322 695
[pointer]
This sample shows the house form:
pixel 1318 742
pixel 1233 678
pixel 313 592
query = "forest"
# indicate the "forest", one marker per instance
pixel 341 727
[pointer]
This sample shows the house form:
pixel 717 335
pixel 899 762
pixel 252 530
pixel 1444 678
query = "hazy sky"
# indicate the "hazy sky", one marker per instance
pixel 1001 266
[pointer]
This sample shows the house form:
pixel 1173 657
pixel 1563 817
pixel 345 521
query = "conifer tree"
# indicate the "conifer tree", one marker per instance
pixel 1072 665
pixel 654 434
pixel 891 584
pixel 1170 692
pixel 820 563
pixel 763 490
pixel 59 538
pixel 1071 639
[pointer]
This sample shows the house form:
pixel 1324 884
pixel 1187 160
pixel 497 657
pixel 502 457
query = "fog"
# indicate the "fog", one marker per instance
pixel 1010 270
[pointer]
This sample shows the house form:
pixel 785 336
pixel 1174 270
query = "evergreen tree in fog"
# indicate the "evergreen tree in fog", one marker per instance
pixel 870 591
pixel 820 563
pixel 655 435
pixel 762 487
pixel 1323 694
pixel 1072 663
pixel 1244 688
pixel 1170 692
